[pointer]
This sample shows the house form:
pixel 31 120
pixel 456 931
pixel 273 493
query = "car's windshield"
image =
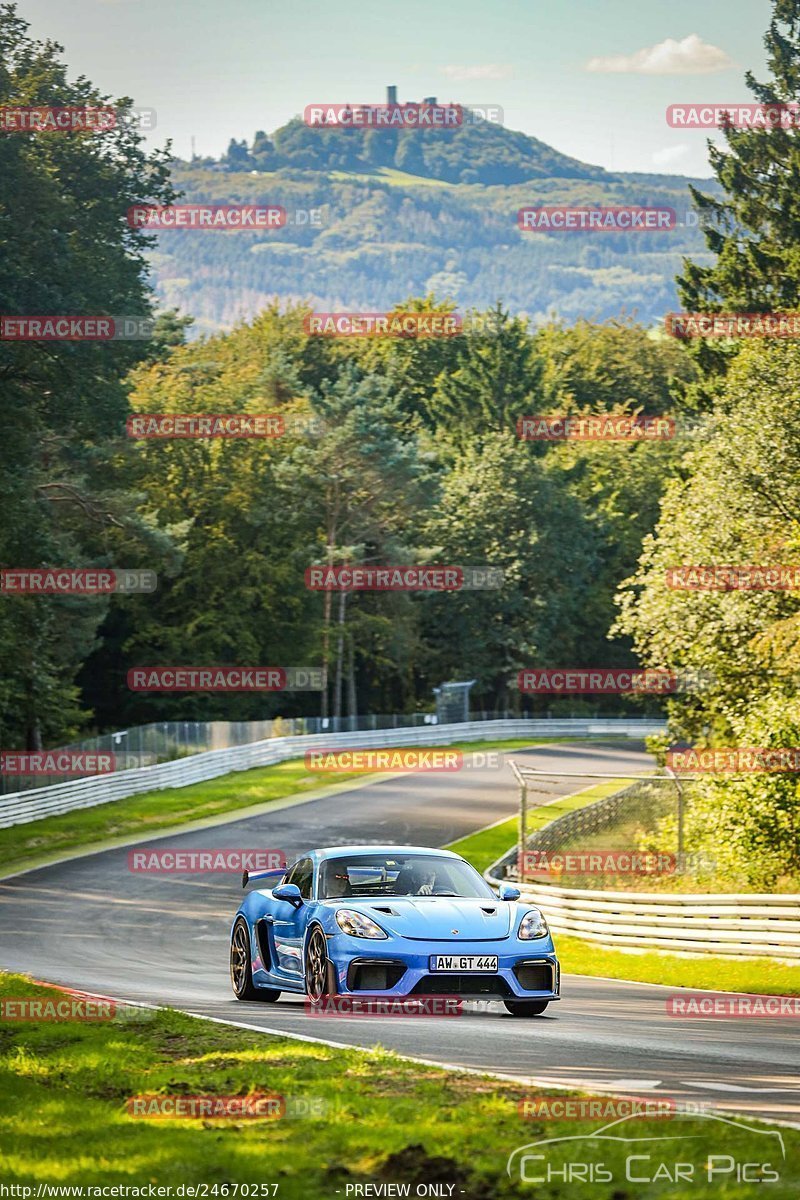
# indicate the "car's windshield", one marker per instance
pixel 399 875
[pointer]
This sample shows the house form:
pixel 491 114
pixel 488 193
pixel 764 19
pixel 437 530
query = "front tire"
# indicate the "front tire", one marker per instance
pixel 241 970
pixel 319 982
pixel 526 1008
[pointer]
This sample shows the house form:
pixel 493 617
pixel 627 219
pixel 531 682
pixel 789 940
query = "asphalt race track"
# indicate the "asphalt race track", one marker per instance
pixel 93 924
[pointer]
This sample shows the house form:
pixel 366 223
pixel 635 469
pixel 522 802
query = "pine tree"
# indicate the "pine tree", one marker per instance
pixel 495 380
pixel 754 229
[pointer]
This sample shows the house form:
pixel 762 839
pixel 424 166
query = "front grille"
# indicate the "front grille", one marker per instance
pixel 462 985
pixel 535 976
pixel 373 975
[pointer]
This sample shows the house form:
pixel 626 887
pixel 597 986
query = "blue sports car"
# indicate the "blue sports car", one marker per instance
pixel 396 922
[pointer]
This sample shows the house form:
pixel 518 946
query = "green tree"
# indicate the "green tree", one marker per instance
pixel 65 248
pixel 611 365
pixel 360 486
pixel 262 153
pixel 495 379
pixel 237 157
pixel 735 503
pixel 619 486
pixel 413 364
pixel 499 507
pixel 753 229
pixel 229 590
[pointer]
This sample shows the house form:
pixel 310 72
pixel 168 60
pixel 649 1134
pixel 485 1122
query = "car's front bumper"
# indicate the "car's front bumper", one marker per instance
pixel 399 967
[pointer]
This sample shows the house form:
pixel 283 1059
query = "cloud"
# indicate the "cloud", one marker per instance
pixel 692 56
pixel 670 155
pixel 482 71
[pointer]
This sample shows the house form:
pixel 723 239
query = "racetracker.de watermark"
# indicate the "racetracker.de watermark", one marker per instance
pixel 57 762
pixel 723 760
pixel 597 427
pixel 384 760
pixel 56 327
pixel 733 325
pixel 207 1106
pixel 197 425
pixel 409 115
pixel 382 324
pixel 559 218
pixel 213 1106
pixel 426 114
pixel 403 579
pixel 161 426
pixel 614 680
pixel 757 578
pixel 69 581
pixel 202 862
pixel 69 1006
pixel 385 1006
pixel 609 862
pixel 599 1108
pixel 597 862
pixel 220 217
pixel 701 1004
pixel 226 679
pixel 26 118
pixel 780 115
pixel 577 863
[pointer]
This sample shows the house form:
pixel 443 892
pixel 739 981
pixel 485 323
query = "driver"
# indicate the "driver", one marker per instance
pixel 415 881
pixel 428 883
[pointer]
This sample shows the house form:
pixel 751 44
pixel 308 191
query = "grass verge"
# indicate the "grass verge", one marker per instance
pixel 377 1119
pixel 39 842
pixel 760 976
pixel 579 957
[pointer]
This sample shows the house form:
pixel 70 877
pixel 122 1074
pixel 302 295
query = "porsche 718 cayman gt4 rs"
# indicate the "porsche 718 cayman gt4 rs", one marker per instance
pixel 390 921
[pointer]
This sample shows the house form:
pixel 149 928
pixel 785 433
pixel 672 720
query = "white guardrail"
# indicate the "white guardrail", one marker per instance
pixel 733 924
pixel 19 808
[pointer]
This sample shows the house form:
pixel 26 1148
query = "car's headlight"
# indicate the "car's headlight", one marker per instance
pixel 357 925
pixel 532 925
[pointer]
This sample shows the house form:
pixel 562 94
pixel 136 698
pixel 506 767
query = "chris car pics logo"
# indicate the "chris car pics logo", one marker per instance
pixel 713 1153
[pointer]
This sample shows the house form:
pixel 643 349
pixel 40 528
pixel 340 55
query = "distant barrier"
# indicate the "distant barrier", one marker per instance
pixel 21 807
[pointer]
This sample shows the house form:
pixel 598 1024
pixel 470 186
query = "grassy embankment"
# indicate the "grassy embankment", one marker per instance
pixel 376 1119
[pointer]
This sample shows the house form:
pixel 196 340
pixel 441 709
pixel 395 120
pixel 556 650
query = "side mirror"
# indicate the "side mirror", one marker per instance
pixel 291 893
pixel 507 891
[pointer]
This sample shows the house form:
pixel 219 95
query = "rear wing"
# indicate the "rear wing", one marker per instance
pixel 275 873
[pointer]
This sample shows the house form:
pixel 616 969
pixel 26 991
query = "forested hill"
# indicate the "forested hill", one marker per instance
pixel 412 212
pixel 485 153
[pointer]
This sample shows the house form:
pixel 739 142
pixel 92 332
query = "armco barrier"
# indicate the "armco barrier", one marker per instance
pixel 727 923
pixel 21 807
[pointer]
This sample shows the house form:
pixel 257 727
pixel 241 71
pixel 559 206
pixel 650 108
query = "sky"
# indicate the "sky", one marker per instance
pixel 592 78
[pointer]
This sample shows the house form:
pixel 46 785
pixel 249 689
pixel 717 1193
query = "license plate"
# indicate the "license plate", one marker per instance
pixel 464 962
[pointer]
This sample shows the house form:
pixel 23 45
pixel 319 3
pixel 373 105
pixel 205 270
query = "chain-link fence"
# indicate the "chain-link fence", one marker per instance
pixel 641 805
pixel 637 831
